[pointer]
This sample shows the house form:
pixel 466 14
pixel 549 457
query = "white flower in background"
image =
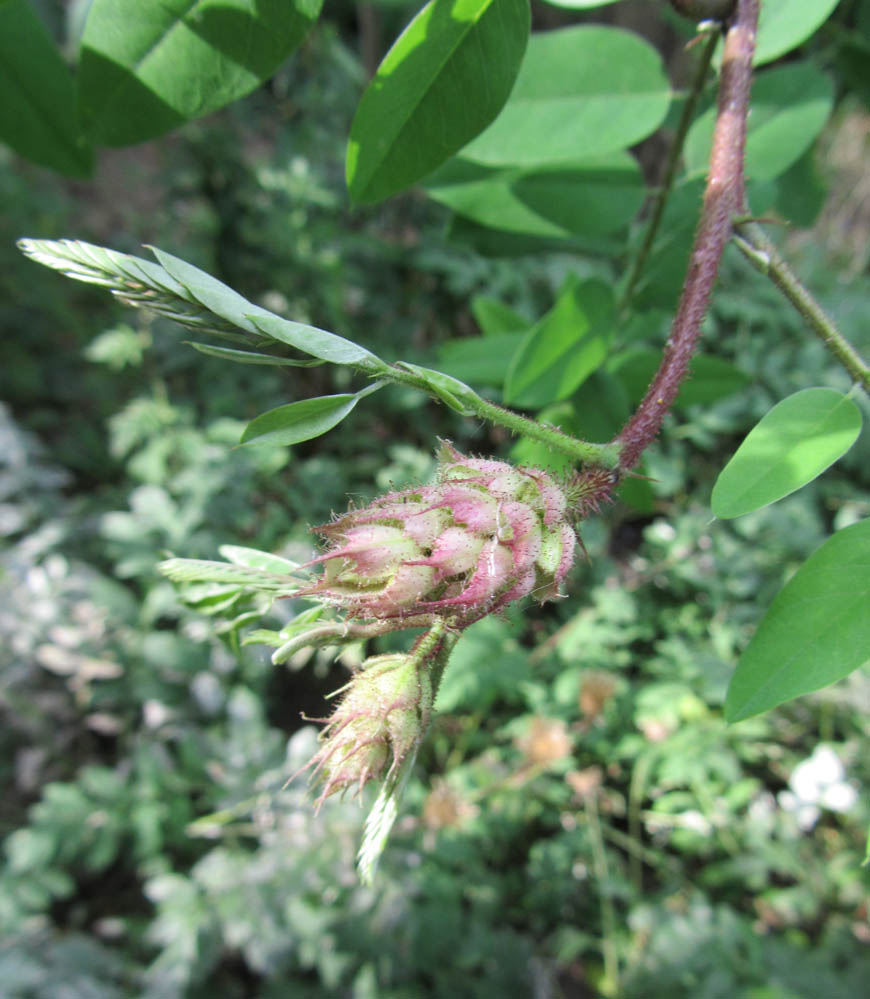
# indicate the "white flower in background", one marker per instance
pixel 816 783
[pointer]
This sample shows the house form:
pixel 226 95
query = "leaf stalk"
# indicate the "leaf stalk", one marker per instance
pixel 606 455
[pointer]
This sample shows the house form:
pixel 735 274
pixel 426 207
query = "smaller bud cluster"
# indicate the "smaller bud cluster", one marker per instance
pixel 485 534
pixel 379 721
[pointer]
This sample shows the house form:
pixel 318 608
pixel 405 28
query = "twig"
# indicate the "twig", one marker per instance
pixel 761 252
pixel 636 791
pixel 609 948
pixel 605 455
pixel 722 198
pixel 670 172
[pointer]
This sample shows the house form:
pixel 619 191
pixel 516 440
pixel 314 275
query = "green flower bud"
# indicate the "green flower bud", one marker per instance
pixel 379 721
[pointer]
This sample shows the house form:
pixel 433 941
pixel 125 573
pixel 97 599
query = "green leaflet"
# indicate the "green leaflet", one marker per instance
pixel 494 317
pixel 38 117
pixel 581 92
pixel 564 347
pixel 443 81
pixel 816 631
pixel 303 420
pixel 791 445
pixel 231 306
pixel 785 24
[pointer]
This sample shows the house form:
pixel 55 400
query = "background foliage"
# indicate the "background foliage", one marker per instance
pixel 583 821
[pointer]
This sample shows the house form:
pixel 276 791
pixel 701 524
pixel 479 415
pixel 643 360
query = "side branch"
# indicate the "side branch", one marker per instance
pixel 761 252
pixel 722 198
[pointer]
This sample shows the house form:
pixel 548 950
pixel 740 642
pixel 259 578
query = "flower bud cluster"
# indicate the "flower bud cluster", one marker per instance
pixel 485 534
pixel 379 721
pixel 438 557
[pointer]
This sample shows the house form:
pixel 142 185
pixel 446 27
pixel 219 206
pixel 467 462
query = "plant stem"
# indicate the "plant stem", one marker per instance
pixel 584 451
pixel 670 172
pixel 722 198
pixel 656 859
pixel 606 455
pixel 344 632
pixel 609 949
pixel 636 791
pixel 760 251
pixel 439 643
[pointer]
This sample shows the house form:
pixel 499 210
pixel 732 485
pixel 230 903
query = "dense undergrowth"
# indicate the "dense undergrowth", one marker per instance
pixel 583 821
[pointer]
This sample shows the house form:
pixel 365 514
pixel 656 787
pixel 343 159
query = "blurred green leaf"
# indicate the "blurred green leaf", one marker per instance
pixel 118 347
pixel 581 92
pixel 482 360
pixel 790 105
pixel 710 378
pixel 801 192
pixel 487 665
pixel 816 631
pixel 601 407
pixel 785 24
pixel 443 81
pixel 38 116
pixel 30 849
pixel 560 352
pixel 595 197
pixel 489 242
pixel 146 68
pixel 493 316
pixel 791 445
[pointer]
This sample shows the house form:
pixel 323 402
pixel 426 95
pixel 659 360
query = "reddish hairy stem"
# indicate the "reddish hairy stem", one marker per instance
pixel 722 199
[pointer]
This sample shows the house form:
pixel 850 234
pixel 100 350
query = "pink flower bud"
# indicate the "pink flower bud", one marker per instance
pixel 484 534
